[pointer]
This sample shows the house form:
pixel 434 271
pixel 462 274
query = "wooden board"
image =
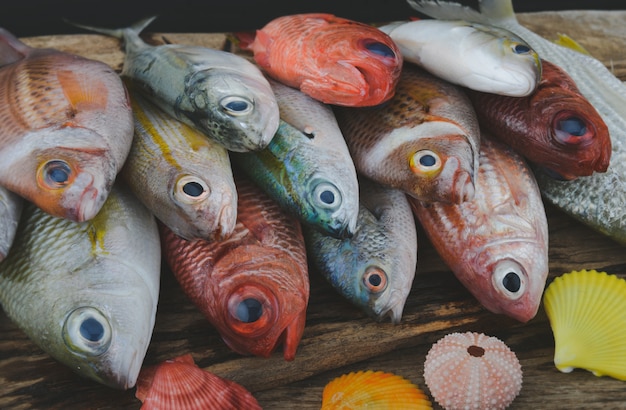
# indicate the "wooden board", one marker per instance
pixel 338 338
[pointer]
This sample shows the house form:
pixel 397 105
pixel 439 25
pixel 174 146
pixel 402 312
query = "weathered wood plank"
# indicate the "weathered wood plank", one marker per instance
pixel 338 337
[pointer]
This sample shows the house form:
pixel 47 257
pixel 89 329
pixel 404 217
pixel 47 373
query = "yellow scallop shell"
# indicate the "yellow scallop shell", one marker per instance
pixel 373 390
pixel 587 312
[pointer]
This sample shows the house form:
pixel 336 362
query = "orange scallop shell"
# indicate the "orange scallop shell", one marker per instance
pixel 179 384
pixel 373 390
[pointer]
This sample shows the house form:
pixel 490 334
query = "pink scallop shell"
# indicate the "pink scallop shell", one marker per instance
pixel 179 384
pixel 472 371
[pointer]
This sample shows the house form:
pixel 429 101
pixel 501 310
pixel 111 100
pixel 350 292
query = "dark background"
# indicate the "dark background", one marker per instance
pixel 44 17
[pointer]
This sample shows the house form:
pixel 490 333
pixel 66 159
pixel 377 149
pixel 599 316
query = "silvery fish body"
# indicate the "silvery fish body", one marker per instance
pixel 10 211
pixel 480 57
pixel 182 177
pixel 497 243
pixel 87 292
pixel 424 141
pixel 220 93
pixel 307 167
pixel 597 200
pixel 375 268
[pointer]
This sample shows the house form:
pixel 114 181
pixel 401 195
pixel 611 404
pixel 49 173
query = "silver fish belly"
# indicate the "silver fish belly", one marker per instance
pixel 87 292
pixel 10 211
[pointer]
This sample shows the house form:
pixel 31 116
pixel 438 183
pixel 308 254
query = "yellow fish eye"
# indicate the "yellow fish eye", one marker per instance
pixel 191 189
pixel 519 48
pixel 425 162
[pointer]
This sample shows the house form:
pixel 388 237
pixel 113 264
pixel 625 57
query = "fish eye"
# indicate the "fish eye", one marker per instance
pixel 87 331
pixel 251 310
pixel 509 279
pixel 236 106
pixel 375 279
pixel 56 174
pixel 191 189
pixel 380 49
pixel 425 162
pixel 519 48
pixel 326 195
pixel 571 126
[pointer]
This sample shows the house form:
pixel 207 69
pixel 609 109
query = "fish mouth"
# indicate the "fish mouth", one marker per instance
pixel 291 336
pixel 394 308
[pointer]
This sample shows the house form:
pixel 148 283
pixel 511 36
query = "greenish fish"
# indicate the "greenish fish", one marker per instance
pixel 375 268
pixel 220 93
pixel 307 167
pixel 596 200
pixel 10 211
pixel 86 292
pixel 183 178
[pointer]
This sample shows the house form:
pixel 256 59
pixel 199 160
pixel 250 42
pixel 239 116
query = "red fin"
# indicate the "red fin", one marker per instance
pixel 244 38
pixel 413 18
pixel 82 91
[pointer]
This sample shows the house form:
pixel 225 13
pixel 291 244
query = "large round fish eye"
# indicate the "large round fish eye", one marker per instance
pixel 425 162
pixel 236 106
pixel 378 48
pixel 375 279
pixel 326 195
pixel 191 189
pixel 251 310
pixel 569 129
pixel 55 174
pixel 509 279
pixel 87 331
pixel 519 48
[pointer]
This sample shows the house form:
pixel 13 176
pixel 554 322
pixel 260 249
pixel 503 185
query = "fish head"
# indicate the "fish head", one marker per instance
pixel 259 304
pixel 330 207
pixel 501 62
pixel 70 180
pixel 237 109
pixel 360 66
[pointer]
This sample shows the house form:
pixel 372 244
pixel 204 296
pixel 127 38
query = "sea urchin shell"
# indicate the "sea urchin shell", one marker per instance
pixel 586 312
pixel 179 384
pixel 373 390
pixel 472 371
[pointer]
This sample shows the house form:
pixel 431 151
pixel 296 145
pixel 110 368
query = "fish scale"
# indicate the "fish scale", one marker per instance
pixel 10 211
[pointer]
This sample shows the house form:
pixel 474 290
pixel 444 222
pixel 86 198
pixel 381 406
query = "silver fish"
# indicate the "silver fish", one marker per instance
pixel 10 210
pixel 87 292
pixel 182 177
pixel 476 56
pixel 307 167
pixel 375 268
pixel 222 94
pixel 597 200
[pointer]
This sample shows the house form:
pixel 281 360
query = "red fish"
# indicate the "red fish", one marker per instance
pixel 66 128
pixel 555 127
pixel 253 286
pixel 332 59
pixel 496 243
pixel 179 384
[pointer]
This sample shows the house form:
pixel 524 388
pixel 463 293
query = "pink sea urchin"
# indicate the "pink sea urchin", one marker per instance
pixel 472 371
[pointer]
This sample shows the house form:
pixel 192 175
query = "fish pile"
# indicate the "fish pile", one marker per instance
pixel 319 144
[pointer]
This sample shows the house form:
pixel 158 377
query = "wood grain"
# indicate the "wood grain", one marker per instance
pixel 338 337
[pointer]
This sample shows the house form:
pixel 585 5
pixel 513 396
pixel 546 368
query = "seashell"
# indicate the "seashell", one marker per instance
pixel 472 371
pixel 373 390
pixel 586 312
pixel 179 384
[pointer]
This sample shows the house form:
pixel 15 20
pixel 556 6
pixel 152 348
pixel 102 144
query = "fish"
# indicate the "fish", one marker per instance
pixel 596 200
pixel 375 268
pixel 332 59
pixel 555 128
pixel 10 211
pixel 425 141
pixel 179 383
pixel 253 286
pixel 182 177
pixel 86 292
pixel 66 128
pixel 220 93
pixel 307 168
pixel 476 56
pixel 497 243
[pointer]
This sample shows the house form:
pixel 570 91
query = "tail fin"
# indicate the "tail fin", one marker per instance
pixel 490 10
pixel 11 48
pixel 136 28
pixel 243 39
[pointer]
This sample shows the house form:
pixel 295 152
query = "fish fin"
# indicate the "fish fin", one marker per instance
pixel 136 28
pixel 244 39
pixel 490 10
pixel 566 41
pixel 11 48
pixel 82 91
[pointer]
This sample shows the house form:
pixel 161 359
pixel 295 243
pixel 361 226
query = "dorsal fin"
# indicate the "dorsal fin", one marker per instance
pixel 11 49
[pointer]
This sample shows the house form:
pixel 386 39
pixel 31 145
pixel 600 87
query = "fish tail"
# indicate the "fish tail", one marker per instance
pixel 128 34
pixel 490 10
pixel 11 48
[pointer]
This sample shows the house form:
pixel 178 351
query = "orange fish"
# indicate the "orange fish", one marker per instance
pixel 66 128
pixel 496 243
pixel 555 128
pixel 332 59
pixel 253 286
